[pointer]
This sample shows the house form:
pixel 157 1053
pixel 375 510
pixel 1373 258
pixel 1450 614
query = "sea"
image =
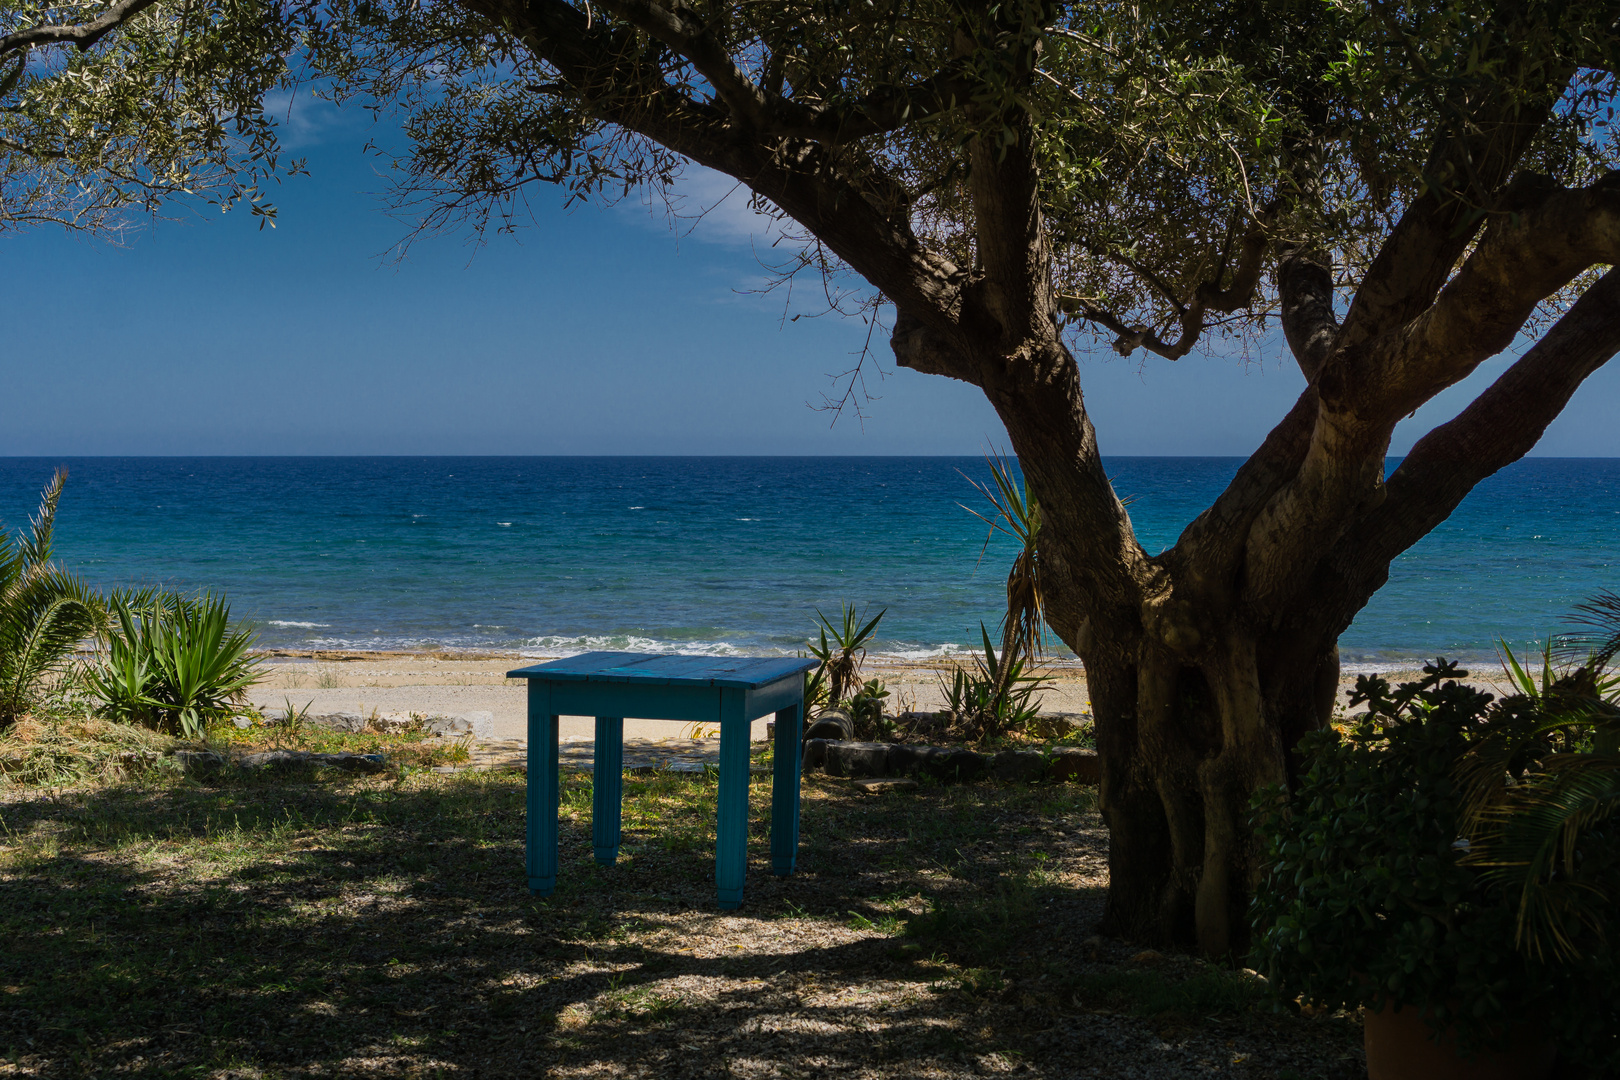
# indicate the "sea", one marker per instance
pixel 548 556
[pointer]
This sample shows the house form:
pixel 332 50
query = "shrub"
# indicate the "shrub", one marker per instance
pixel 1368 896
pixel 173 663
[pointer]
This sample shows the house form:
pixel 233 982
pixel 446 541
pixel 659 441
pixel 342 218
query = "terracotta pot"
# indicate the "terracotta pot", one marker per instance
pixel 1399 1047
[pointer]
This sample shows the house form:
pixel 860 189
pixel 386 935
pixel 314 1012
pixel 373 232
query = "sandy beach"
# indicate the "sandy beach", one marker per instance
pixel 451 684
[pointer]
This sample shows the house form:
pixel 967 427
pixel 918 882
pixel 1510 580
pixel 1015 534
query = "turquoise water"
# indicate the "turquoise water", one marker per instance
pixel 549 555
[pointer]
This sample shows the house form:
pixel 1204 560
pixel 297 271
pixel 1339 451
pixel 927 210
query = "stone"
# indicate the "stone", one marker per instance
pixel 833 724
pixel 857 758
pixel 1075 764
pixel 241 721
pixel 365 763
pixel 199 762
pixel 877 785
pixel 296 759
pixel 1148 956
pixel 480 725
pixel 770 731
pixel 274 759
pixel 922 722
pixel 905 759
pixel 815 754
pixel 956 765
pixel 1019 766
pixel 339 721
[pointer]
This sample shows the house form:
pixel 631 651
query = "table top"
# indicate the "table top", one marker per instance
pixel 666 669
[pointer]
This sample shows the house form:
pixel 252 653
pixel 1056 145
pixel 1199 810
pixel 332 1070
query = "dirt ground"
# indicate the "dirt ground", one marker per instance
pixel 381 928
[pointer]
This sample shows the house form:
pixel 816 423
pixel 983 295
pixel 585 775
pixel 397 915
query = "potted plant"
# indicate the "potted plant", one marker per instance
pixel 1395 880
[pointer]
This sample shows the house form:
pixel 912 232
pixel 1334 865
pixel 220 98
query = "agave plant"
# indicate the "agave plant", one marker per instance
pixel 996 697
pixel 1543 790
pixel 841 648
pixel 173 663
pixel 44 611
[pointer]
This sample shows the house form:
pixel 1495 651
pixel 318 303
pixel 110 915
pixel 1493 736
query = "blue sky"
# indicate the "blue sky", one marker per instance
pixel 597 331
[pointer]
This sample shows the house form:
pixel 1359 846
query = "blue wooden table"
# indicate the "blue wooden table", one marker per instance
pixel 728 691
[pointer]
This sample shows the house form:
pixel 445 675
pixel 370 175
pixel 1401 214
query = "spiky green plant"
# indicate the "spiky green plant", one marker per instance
pixel 173 663
pixel 44 611
pixel 1542 784
pixel 841 647
pixel 1017 515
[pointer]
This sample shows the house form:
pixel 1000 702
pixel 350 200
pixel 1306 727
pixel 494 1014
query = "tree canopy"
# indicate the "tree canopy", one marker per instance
pixel 108 111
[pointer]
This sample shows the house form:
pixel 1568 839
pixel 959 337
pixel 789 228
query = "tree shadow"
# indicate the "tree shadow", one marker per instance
pixel 340 928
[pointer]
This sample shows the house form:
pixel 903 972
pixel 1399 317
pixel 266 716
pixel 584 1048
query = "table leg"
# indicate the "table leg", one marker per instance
pixel 607 788
pixel 785 782
pixel 542 791
pixel 731 826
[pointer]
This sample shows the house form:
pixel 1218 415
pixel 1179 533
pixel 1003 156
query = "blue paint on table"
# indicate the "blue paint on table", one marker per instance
pixel 729 691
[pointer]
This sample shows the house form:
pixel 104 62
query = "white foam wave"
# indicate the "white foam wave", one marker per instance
pixel 555 645
pixel 302 625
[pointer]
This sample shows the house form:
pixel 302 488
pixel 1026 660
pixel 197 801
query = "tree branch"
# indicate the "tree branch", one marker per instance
pixel 746 100
pixel 83 35
pixel 1523 257
pixel 1208 297
pixel 1306 291
pixel 1502 425
pixel 1420 251
pixel 809 182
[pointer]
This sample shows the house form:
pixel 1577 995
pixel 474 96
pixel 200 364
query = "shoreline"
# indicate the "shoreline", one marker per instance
pixel 441 682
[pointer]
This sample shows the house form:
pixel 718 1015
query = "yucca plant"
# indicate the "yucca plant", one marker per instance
pixel 44 611
pixel 173 663
pixel 1016 514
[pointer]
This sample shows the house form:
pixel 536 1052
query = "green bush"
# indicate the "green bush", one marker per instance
pixel 173 663
pixel 1368 898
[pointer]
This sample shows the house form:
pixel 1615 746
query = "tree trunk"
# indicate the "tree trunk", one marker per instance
pixel 1197 696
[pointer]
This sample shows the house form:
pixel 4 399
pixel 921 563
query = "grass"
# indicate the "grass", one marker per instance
pixel 331 925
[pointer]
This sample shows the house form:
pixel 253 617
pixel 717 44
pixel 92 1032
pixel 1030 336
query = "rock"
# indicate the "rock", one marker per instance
pixel 905 759
pixel 831 724
pixel 1076 765
pixel 815 754
pixel 339 721
pixel 957 765
pixel 298 759
pixel 1019 766
pixel 770 731
pixel 480 725
pixel 241 721
pixel 274 759
pixel 365 763
pixel 877 785
pixel 922 722
pixel 857 758
pixel 199 762
pixel 1148 956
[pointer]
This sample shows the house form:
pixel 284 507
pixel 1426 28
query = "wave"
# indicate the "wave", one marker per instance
pixel 553 645
pixel 301 625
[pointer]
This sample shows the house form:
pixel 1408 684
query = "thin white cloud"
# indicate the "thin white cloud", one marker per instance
pixel 304 120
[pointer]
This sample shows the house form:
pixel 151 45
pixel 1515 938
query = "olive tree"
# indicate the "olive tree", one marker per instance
pixel 1405 190
pixel 109 111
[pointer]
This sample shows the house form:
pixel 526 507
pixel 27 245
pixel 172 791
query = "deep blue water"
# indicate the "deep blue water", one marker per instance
pixel 560 554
